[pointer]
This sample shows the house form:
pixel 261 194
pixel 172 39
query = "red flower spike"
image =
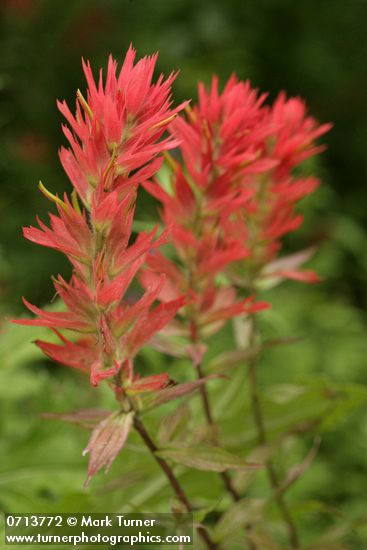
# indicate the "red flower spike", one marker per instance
pixel 117 128
pixel 233 199
pixel 234 146
pixel 115 138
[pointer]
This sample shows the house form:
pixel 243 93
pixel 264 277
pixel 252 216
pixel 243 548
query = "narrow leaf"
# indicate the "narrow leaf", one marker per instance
pixel 168 344
pixel 304 276
pixel 230 359
pixel 174 392
pixel 148 384
pixel 282 394
pixel 206 458
pixel 87 418
pixel 299 469
pixel 237 516
pixel 263 453
pixel 226 361
pixel 174 425
pixel 290 262
pixel 122 482
pixel 287 267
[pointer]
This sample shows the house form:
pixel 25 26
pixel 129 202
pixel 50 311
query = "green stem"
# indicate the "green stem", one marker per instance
pixel 211 422
pixel 226 478
pixel 208 413
pixel 175 484
pixel 195 340
pixel 263 439
pixel 227 481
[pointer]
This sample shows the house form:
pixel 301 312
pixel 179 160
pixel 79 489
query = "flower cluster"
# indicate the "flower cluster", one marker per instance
pixel 116 138
pixel 233 198
pixel 225 208
pixel 203 254
pixel 239 156
pixel 115 135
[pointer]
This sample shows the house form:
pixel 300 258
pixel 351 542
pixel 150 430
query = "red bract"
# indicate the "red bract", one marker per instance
pixel 239 158
pixel 271 211
pixel 95 304
pixel 294 140
pixel 220 144
pixel 203 253
pixel 116 130
pixel 226 208
pixel 234 197
pixel 69 233
pixel 222 137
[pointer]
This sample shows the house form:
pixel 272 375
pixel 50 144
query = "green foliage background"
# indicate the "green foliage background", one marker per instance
pixel 314 49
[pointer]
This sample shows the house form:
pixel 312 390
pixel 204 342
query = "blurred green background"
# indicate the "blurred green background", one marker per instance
pixel 315 49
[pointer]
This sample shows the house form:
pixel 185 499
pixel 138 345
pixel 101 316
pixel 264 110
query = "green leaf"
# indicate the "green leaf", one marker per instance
pixel 231 359
pixel 299 469
pixel 350 398
pixel 237 516
pixel 161 397
pixel 174 425
pixel 317 506
pixel 285 393
pixel 259 455
pixel 333 538
pixel 87 418
pixel 269 277
pixel 206 458
pixel 285 411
